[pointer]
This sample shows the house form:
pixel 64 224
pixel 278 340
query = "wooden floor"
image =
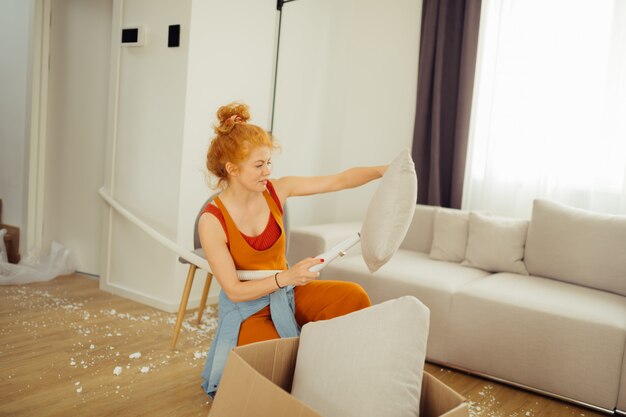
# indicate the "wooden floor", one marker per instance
pixel 62 341
pixel 491 399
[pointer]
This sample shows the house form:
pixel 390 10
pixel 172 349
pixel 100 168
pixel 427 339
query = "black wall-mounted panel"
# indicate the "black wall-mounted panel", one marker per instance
pixel 130 35
pixel 173 38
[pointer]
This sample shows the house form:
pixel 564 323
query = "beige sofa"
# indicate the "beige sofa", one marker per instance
pixel 556 325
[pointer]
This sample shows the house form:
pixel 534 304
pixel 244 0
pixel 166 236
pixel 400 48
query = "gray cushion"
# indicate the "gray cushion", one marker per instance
pixel 366 363
pixel 450 231
pixel 496 244
pixel 562 338
pixel 419 237
pixel 389 212
pixel 577 246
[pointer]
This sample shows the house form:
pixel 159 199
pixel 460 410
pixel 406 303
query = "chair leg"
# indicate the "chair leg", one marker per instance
pixel 183 303
pixel 205 293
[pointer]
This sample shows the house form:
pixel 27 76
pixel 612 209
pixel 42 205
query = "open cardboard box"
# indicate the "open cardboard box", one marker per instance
pixel 257 381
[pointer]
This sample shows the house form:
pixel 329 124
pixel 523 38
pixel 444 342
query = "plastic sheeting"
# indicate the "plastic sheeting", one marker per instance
pixel 3 249
pixel 34 267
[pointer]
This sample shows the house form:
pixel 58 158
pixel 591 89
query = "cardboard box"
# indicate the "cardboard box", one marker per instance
pixel 257 381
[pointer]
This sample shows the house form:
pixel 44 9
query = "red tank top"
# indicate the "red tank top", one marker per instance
pixel 267 238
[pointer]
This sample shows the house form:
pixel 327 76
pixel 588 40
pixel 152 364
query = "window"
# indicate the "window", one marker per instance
pixel 549 109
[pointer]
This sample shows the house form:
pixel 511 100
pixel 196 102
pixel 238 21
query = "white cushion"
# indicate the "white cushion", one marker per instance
pixel 496 244
pixel 390 212
pixel 450 232
pixel 419 237
pixel 577 246
pixel 367 363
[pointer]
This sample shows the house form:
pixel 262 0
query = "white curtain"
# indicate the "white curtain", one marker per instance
pixel 549 107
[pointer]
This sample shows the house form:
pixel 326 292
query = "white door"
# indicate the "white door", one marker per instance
pixel 78 77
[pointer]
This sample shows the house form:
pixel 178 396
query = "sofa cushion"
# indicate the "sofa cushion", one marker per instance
pixel 539 332
pixel 496 244
pixel 450 232
pixel 419 237
pixel 366 363
pixel 390 212
pixel 411 273
pixel 577 246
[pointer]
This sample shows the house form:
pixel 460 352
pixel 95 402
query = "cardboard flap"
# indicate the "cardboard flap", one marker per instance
pixel 247 387
pixel 274 359
pixel 442 400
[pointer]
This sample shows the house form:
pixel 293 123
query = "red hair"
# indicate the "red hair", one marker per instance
pixel 235 139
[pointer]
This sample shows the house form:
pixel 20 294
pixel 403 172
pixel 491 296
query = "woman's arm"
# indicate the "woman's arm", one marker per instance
pixel 213 240
pixel 300 186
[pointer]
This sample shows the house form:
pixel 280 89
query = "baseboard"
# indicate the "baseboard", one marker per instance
pixel 151 301
pixel 88 275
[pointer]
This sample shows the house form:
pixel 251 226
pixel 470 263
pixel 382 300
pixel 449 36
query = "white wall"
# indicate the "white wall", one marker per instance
pixel 347 82
pixel 231 57
pixel 16 28
pixel 380 79
pixel 143 171
pixel 165 110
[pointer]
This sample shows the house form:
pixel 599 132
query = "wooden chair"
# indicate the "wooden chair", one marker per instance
pixel 190 276
pixel 209 277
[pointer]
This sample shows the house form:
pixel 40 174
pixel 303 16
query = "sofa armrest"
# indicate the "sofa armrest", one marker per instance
pixel 309 241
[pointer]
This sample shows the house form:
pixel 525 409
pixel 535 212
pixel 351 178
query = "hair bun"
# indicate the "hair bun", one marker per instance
pixel 230 115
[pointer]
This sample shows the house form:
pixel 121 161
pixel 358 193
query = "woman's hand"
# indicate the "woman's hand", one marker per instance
pixel 299 274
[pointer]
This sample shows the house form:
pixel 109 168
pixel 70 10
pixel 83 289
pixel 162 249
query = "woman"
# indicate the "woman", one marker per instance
pixel 242 229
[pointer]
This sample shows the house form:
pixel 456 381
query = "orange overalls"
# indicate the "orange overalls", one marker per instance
pixel 318 300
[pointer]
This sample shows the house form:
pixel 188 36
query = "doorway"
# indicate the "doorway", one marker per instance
pixel 77 99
